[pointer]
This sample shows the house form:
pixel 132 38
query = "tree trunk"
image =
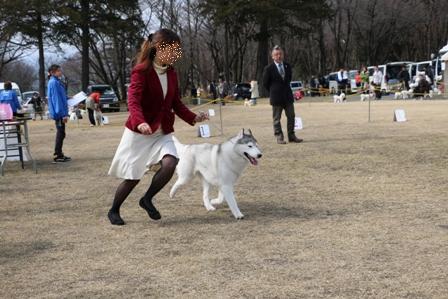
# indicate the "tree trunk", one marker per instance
pixel 190 35
pixel 322 50
pixel 226 52
pixel 262 54
pixel 85 42
pixel 40 45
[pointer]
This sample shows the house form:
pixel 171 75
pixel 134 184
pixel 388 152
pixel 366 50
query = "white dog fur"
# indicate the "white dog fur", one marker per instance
pixel 365 97
pixel 98 116
pixel 218 165
pixel 339 98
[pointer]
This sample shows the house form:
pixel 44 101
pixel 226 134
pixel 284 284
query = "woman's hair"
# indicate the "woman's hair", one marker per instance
pixel 148 49
pixel 53 68
pixel 8 85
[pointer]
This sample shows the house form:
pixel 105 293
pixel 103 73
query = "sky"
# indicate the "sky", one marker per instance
pixel 53 55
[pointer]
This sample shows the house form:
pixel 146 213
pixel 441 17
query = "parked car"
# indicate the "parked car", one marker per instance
pixel 27 95
pixel 108 100
pixel 27 107
pixel 14 87
pixel 296 85
pixel 241 91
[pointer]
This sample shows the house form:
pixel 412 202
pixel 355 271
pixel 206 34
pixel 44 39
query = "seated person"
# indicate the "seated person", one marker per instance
pixel 9 96
pixel 423 87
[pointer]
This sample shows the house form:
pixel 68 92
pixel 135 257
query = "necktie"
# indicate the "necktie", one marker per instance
pixel 281 70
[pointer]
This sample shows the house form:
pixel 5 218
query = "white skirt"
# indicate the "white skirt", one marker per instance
pixel 137 152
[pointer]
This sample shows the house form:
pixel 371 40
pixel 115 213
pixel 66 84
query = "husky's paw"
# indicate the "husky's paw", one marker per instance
pixel 210 208
pixel 216 201
pixel 239 217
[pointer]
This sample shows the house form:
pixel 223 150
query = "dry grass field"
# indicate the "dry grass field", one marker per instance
pixel 359 210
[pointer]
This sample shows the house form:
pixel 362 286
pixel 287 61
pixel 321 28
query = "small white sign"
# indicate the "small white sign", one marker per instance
pixel 76 99
pixel 105 120
pixel 298 125
pixel 204 131
pixel 399 115
pixel 211 112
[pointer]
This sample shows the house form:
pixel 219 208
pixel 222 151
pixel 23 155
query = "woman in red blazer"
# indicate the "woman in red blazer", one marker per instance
pixel 153 101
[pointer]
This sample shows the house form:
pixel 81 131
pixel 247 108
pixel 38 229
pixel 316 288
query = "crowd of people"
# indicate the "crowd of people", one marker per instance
pixel 365 82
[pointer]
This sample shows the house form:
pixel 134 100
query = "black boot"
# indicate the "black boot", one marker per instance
pixel 280 139
pixel 294 139
pixel 115 218
pixel 150 209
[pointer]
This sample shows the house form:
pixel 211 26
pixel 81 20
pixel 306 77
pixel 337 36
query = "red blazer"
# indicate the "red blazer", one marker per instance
pixel 146 102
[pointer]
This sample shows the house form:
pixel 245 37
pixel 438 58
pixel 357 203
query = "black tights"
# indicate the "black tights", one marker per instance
pixel 159 180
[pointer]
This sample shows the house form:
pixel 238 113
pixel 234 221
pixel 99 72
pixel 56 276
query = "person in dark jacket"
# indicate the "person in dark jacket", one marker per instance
pixel 404 77
pixel 213 90
pixel 58 109
pixel 277 79
pixel 430 73
pixel 37 103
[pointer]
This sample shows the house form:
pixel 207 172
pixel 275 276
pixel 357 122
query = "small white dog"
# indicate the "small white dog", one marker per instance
pixel 248 103
pixel 429 95
pixel 405 94
pixel 98 115
pixel 398 95
pixel 339 98
pixel 218 165
pixel 437 91
pixel 365 97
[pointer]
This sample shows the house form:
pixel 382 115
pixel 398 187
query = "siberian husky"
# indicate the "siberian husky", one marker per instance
pixel 218 165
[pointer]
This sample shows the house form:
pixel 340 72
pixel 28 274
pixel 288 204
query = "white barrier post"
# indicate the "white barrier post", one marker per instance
pixel 369 108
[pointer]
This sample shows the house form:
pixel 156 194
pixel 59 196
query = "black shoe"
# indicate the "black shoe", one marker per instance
pixel 280 139
pixel 294 139
pixel 61 159
pixel 150 209
pixel 115 218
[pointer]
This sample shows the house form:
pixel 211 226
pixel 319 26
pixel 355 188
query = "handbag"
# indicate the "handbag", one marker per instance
pixel 5 112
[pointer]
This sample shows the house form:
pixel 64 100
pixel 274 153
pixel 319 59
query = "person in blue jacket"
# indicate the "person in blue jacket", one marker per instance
pixel 58 109
pixel 9 96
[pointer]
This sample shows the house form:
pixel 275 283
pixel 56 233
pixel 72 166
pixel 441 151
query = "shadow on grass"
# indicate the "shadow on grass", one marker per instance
pixel 14 251
pixel 257 212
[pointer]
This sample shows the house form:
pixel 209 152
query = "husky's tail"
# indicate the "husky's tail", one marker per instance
pixel 179 146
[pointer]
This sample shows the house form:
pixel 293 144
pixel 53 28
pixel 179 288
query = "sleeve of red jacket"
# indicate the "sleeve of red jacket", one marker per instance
pixel 135 92
pixel 181 110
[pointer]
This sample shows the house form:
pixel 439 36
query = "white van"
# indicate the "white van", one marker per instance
pixel 333 82
pixel 14 87
pixel 391 70
pixel 439 65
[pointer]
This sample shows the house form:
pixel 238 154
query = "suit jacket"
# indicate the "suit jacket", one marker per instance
pixel 280 93
pixel 146 102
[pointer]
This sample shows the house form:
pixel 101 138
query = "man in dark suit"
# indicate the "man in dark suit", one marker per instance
pixel 277 79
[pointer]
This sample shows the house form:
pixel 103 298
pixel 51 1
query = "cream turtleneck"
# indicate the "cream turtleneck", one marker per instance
pixel 161 73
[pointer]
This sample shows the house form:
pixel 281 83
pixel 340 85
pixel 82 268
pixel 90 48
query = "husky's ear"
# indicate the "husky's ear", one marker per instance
pixel 241 134
pixel 250 132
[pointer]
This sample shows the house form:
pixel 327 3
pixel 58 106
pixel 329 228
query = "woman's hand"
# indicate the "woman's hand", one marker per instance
pixel 145 129
pixel 201 117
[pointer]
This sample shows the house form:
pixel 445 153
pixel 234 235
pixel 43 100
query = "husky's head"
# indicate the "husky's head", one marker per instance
pixel 246 146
